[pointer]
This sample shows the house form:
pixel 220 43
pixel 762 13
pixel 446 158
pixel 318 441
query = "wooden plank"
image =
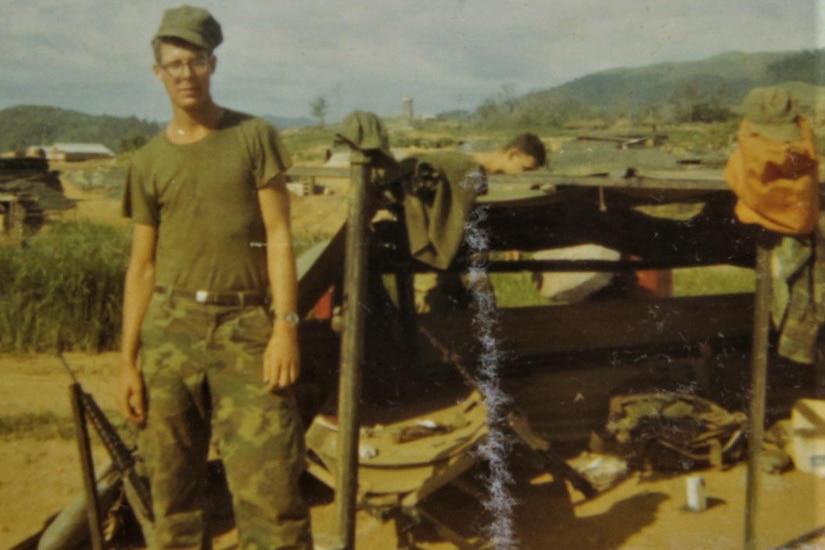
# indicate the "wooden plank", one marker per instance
pixel 319 268
pixel 319 172
pixel 614 324
pixel 541 177
pixel 710 236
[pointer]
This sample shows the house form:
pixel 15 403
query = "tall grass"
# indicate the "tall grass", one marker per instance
pixel 62 289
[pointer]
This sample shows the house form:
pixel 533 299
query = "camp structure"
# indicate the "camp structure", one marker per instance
pixel 76 152
pixel 388 349
pixel 28 189
pixel 396 399
pixel 378 458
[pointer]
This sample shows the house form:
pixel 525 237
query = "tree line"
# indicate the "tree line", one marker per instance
pixel 36 125
pixel 703 91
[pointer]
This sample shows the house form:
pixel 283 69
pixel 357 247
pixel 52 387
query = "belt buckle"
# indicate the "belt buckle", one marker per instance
pixel 202 296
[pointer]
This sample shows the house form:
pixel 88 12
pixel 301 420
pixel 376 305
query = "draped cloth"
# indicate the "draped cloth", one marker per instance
pixel 777 187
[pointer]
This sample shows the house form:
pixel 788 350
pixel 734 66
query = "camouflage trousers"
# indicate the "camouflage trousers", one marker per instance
pixel 202 369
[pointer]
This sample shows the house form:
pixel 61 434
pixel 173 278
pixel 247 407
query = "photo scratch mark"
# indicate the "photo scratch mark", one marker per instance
pixel 495 450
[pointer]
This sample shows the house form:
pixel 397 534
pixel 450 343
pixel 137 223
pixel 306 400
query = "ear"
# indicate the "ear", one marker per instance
pixel 213 64
pixel 158 71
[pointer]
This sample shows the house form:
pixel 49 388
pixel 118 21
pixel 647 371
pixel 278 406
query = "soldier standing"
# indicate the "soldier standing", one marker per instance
pixel 217 352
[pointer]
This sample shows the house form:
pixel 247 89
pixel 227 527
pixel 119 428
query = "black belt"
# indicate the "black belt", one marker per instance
pixel 240 298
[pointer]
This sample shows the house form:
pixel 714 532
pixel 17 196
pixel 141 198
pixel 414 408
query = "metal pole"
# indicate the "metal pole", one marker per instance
pixel 759 368
pixel 87 465
pixel 352 352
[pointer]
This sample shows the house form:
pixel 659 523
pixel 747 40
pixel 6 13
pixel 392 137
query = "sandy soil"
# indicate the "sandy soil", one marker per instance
pixel 39 475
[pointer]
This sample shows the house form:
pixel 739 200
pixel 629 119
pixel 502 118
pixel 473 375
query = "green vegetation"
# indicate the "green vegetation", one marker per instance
pixel 699 91
pixel 519 290
pixel 516 290
pixel 62 289
pixel 720 279
pixel 308 145
pixel 27 125
pixel 804 66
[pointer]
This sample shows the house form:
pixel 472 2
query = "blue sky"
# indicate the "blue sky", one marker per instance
pixel 94 55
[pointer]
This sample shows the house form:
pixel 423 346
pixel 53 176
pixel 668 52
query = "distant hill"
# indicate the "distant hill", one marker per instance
pixel 26 125
pixel 660 90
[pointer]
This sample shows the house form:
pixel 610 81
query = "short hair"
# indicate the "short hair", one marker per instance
pixel 529 144
pixel 159 41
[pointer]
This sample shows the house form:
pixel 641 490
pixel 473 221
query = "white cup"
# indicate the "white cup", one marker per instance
pixel 696 498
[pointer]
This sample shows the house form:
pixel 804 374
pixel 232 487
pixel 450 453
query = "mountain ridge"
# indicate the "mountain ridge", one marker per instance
pixel 667 90
pixel 663 88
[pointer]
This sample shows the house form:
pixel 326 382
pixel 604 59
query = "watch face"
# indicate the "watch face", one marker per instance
pixel 291 318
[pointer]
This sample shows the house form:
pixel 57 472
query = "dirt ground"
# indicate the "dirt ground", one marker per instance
pixel 40 474
pixel 38 477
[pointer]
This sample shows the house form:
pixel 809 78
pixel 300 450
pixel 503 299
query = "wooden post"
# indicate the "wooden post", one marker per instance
pixel 352 352
pixel 759 369
pixel 404 284
pixel 88 468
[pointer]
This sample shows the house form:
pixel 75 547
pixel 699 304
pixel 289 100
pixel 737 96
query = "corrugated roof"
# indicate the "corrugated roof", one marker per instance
pixel 82 148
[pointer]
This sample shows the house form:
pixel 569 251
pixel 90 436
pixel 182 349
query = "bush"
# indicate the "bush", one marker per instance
pixel 63 288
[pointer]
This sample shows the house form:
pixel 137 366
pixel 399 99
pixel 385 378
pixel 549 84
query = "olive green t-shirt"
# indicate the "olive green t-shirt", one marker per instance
pixel 202 198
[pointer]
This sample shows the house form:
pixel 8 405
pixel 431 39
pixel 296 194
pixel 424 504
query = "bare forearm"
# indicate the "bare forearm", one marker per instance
pixel 282 275
pixel 280 258
pixel 140 284
pixel 282 362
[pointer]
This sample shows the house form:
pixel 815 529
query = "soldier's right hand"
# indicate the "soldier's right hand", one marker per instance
pixel 130 395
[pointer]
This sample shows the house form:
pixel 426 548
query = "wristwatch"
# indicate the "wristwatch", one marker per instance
pixel 290 317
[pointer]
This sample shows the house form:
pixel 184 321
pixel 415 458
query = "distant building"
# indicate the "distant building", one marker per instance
pixel 407 108
pixel 74 152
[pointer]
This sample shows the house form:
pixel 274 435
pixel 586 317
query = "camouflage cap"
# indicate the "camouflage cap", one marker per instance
pixel 773 113
pixel 365 132
pixel 191 24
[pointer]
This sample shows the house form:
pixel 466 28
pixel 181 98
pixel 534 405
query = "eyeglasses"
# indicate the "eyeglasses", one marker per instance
pixel 198 65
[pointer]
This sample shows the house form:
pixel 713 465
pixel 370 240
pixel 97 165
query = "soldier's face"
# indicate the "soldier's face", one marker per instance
pixel 185 73
pixel 515 161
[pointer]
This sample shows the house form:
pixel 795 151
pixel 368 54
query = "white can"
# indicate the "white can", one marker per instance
pixel 696 497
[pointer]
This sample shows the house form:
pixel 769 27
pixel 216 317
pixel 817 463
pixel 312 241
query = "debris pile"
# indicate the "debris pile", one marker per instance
pixel 675 432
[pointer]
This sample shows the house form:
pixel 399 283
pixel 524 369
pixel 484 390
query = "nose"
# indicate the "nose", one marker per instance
pixel 186 70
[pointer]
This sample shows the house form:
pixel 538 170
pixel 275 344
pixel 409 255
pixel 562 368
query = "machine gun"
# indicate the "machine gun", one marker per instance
pixel 135 487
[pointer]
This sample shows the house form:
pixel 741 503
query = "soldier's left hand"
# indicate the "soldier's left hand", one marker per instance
pixel 282 361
